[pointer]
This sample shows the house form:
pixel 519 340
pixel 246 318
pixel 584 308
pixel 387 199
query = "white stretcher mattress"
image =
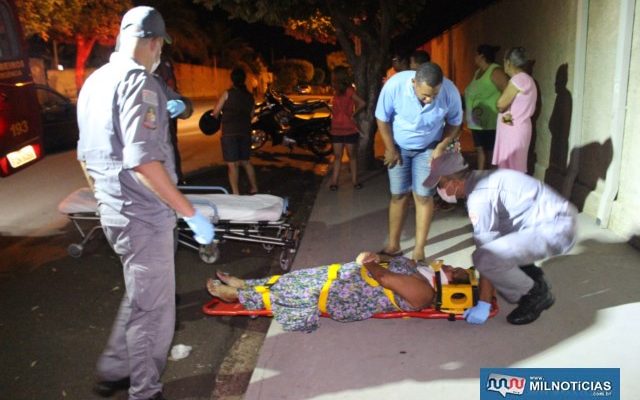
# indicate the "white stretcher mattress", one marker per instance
pixel 80 201
pixel 235 208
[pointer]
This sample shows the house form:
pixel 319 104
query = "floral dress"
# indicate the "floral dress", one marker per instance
pixel 294 297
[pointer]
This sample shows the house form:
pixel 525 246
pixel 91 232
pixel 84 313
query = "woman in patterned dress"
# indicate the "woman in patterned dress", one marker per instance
pixel 361 289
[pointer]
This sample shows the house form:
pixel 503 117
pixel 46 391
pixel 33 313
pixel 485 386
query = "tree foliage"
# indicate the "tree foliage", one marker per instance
pixel 304 69
pixel 65 20
pixel 290 72
pixel 285 77
pixel 316 27
pixel 199 40
pixel 319 76
pixel 83 22
pixel 337 58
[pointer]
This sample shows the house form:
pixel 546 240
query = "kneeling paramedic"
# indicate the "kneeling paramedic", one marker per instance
pixel 516 220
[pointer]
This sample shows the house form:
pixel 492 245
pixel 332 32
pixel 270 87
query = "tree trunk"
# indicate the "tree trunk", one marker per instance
pixel 368 74
pixel 83 50
pixel 56 60
pixel 366 45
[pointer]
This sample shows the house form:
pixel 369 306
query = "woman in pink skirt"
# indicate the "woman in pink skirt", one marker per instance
pixel 516 105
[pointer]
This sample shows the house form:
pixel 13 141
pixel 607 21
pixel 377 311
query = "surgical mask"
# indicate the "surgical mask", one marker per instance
pixel 155 65
pixel 444 196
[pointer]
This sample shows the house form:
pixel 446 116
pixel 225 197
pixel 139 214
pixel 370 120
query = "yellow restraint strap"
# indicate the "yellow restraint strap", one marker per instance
pixel 332 275
pixel 372 282
pixel 265 290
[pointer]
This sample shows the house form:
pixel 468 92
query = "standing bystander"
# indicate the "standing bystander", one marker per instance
pixel 517 104
pixel 419 114
pixel 417 58
pixel 344 131
pixel 399 63
pixel 481 96
pixel 236 106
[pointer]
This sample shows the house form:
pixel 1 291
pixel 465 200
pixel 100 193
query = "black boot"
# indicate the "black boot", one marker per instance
pixel 535 273
pixel 109 388
pixel 532 304
pixel 531 270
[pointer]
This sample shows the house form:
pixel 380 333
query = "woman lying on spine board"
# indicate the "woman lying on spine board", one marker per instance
pixel 369 285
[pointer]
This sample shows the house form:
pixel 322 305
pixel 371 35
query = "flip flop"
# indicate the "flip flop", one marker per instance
pixel 396 254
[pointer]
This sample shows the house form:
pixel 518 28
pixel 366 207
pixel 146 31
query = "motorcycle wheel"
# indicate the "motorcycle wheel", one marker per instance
pixel 258 138
pixel 320 143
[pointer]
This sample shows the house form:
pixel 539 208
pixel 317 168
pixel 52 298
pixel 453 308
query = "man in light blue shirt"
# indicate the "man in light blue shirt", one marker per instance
pixel 419 114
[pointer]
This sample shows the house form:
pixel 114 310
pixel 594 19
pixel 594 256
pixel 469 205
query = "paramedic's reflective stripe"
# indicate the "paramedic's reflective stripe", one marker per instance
pixel 265 291
pixel 332 275
pixel 372 282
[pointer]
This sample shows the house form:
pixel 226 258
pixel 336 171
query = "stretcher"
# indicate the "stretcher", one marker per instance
pixel 219 308
pixel 450 303
pixel 261 219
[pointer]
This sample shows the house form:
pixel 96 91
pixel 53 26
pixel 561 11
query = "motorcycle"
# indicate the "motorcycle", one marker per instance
pixel 285 122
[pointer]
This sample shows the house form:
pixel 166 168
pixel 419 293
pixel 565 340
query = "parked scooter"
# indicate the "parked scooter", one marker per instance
pixel 288 123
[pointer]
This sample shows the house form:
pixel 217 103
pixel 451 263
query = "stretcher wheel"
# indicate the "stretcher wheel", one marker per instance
pixel 75 250
pixel 286 258
pixel 268 247
pixel 209 253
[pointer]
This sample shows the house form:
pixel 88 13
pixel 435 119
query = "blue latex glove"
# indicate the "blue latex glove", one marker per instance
pixel 175 107
pixel 478 314
pixel 202 228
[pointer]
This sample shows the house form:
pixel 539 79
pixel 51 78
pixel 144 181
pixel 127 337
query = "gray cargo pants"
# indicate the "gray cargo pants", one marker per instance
pixel 498 260
pixel 143 329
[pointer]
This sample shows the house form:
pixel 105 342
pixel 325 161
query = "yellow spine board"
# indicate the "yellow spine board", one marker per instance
pixel 456 298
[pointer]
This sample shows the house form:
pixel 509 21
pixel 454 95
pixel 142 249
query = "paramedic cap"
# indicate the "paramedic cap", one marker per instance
pixel 447 164
pixel 144 22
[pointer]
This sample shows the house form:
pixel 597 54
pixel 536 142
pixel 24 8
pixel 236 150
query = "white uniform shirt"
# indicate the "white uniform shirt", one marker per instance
pixel 503 201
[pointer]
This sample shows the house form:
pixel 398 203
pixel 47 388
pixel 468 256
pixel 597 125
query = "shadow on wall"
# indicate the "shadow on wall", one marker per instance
pixel 587 165
pixel 635 241
pixel 559 127
pixel 532 157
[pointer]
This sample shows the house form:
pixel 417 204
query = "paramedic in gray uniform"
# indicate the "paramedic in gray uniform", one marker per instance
pixel 516 220
pixel 125 150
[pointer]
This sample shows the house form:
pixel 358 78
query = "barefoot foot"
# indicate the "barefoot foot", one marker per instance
pixel 230 280
pixel 222 291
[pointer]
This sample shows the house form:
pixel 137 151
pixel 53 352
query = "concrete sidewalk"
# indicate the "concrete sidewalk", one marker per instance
pixel 594 322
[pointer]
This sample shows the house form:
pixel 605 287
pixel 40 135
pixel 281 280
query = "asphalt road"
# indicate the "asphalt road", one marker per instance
pixel 56 311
